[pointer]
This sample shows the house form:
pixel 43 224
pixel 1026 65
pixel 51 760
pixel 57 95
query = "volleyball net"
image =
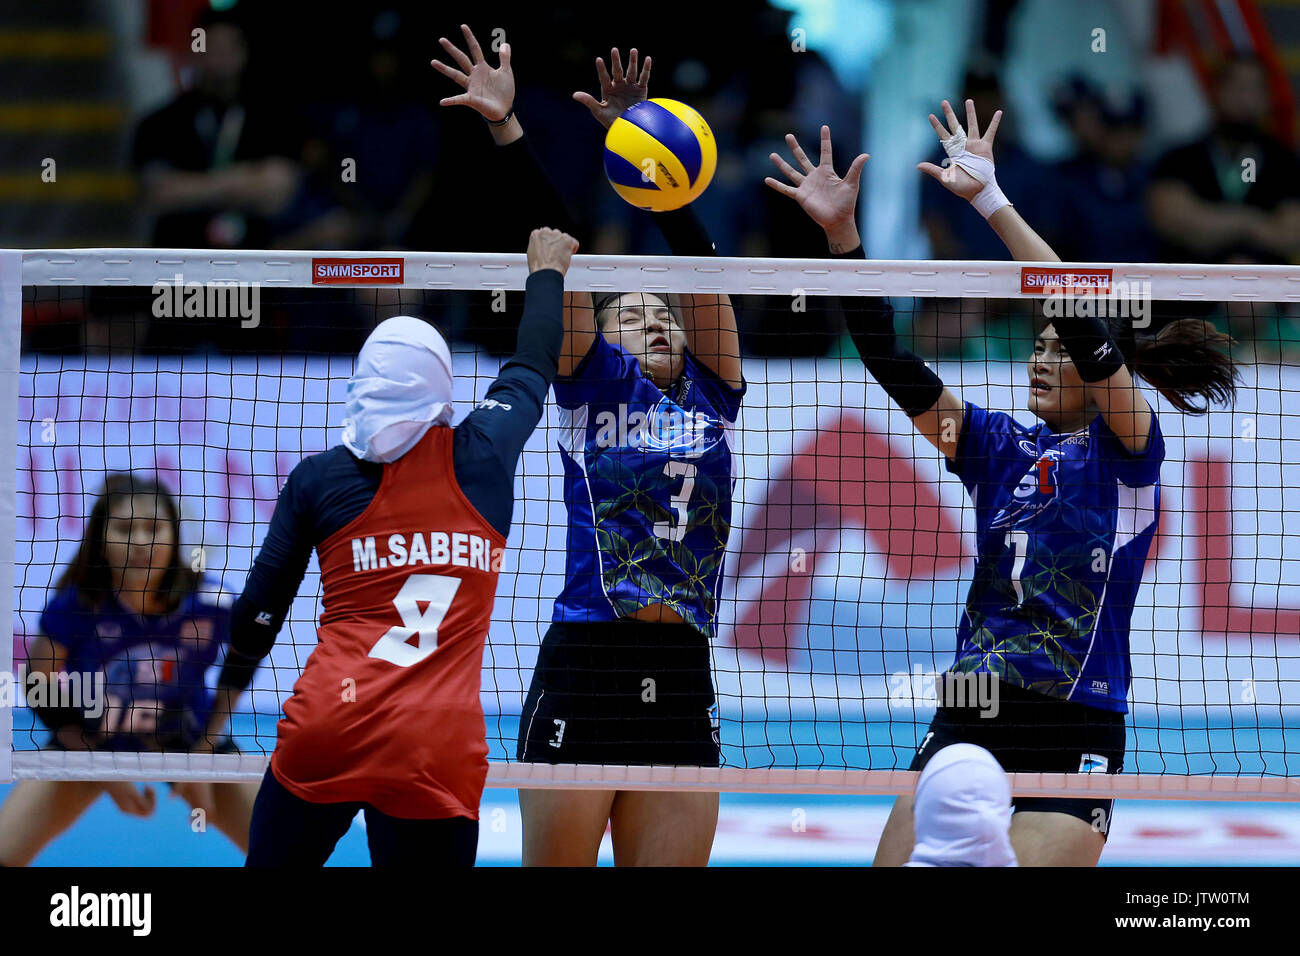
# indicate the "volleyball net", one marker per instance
pixel 851 548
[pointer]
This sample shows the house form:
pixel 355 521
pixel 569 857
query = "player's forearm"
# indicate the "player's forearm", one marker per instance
pixel 1021 241
pixel 684 232
pixel 237 674
pixel 861 312
pixel 531 195
pixel 843 238
pixel 508 132
pixel 906 379
pixel 222 708
pixel 257 617
pixel 913 385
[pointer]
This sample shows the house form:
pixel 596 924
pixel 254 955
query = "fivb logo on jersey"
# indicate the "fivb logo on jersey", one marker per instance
pixel 664 427
pixel 215 299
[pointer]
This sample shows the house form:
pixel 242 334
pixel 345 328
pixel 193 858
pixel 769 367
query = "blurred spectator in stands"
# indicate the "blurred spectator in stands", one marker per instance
pixel 1102 189
pixel 214 163
pixel 1231 196
pixel 371 158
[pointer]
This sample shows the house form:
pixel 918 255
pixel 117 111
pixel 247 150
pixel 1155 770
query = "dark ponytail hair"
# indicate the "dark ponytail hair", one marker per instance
pixel 1186 360
pixel 89 575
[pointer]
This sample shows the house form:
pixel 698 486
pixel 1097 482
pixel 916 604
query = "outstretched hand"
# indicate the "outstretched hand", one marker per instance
pixel 827 199
pixel 490 92
pixel 954 178
pixel 618 90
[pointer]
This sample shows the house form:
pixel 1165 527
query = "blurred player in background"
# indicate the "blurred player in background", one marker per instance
pixel 649 392
pixel 962 810
pixel 409 518
pixel 1065 511
pixel 132 617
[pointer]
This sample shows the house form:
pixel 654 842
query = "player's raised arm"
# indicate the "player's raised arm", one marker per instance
pixel 831 202
pixel 527 191
pixel 492 437
pixel 1085 340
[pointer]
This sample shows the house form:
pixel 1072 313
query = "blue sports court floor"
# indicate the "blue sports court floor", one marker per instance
pixel 766 830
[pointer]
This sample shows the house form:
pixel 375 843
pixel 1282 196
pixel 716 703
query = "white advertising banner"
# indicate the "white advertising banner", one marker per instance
pixel 851 550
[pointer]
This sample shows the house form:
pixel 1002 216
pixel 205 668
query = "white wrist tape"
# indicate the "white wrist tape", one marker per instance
pixel 989 199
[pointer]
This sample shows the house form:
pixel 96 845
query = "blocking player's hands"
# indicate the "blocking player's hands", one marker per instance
pixel 489 92
pixel 971 176
pixel 618 89
pixel 829 200
pixel 550 249
pixel 136 801
pixel 967 178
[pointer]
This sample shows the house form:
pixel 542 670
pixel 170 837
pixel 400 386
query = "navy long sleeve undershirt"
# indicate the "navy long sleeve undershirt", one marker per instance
pixel 326 491
pixel 903 375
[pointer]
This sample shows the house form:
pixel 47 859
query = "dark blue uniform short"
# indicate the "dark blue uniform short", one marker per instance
pixel 621 693
pixel 1037 734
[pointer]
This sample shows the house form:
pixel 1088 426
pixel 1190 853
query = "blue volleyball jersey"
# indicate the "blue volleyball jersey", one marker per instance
pixel 153 668
pixel 648 481
pixel 1063 526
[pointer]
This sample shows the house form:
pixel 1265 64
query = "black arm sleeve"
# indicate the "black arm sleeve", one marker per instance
pixel 902 374
pixel 259 612
pixel 533 197
pixel 684 232
pixel 488 443
pixel 1093 350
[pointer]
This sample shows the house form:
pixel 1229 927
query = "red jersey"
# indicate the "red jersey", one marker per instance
pixel 387 710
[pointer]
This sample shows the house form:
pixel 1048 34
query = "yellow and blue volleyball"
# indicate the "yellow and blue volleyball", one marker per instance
pixel 660 155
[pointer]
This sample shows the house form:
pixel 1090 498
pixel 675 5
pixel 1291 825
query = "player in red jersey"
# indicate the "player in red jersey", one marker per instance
pixel 409 519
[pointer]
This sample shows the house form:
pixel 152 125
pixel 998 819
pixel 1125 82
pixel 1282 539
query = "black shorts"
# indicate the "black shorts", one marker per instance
pixel 1037 734
pixel 621 692
pixel 288 831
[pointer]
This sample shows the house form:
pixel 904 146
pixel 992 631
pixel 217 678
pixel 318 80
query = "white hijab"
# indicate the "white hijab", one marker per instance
pixel 400 389
pixel 962 810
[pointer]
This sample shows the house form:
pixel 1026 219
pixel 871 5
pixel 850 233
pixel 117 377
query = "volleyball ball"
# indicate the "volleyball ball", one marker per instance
pixel 660 155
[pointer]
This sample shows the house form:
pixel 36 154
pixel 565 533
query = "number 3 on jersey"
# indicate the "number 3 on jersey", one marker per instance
pixel 675 529
pixel 435 592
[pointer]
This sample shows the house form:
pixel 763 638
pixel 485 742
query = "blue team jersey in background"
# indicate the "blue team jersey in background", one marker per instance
pixel 648 481
pixel 1063 527
pixel 155 663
